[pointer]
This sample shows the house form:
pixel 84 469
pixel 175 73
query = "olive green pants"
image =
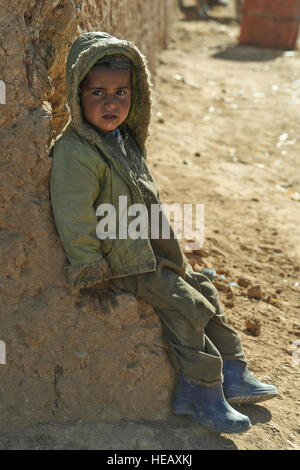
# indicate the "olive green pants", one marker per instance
pixel 193 320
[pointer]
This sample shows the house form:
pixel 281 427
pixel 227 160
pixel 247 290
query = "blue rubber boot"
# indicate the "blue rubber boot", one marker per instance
pixel 240 387
pixel 208 406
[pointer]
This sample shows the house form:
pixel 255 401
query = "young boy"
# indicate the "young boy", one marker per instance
pixel 101 157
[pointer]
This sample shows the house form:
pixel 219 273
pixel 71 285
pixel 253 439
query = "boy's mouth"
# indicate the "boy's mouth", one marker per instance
pixel 109 117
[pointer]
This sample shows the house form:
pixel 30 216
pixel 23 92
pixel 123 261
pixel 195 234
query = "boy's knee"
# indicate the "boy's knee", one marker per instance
pixel 199 281
pixel 204 285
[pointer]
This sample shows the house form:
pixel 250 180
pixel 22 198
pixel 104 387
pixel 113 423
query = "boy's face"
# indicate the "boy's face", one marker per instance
pixel 106 97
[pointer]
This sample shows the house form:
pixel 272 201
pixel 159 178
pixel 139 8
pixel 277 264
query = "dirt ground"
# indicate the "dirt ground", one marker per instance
pixel 225 134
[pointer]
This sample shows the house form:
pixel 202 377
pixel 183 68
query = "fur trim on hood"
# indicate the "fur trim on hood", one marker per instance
pixel 86 50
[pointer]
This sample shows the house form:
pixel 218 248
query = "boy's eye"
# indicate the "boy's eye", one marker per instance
pixel 102 93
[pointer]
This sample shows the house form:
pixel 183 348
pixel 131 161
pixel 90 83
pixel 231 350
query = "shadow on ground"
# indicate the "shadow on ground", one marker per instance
pixel 246 53
pixel 191 14
pixel 256 413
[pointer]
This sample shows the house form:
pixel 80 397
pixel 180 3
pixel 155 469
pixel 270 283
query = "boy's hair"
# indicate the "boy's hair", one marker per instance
pixel 115 62
pixel 112 62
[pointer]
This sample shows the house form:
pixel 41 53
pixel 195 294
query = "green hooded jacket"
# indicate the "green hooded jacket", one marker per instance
pixel 90 169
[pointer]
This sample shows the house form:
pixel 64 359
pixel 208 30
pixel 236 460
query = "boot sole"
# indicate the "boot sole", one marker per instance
pixel 220 430
pixel 251 399
pixel 187 409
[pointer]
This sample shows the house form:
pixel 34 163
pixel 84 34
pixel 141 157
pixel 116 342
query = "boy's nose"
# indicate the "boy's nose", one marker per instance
pixel 110 102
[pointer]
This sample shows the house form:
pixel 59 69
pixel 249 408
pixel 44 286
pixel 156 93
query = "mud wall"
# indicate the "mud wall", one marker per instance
pixel 64 356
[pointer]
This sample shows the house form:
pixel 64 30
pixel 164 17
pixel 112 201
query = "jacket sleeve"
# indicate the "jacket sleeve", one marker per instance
pixel 74 187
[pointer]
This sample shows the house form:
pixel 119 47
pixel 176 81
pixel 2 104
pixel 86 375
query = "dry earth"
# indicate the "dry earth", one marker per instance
pixel 225 134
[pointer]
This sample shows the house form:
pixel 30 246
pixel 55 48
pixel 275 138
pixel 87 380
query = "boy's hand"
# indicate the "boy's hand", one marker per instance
pixel 102 295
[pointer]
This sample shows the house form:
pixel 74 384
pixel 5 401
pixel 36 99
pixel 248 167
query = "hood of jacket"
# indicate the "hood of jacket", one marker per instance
pixel 86 50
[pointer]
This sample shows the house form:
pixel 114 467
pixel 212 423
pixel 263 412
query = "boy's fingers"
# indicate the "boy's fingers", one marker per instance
pixel 107 300
pixel 103 296
pixel 113 298
pixel 103 302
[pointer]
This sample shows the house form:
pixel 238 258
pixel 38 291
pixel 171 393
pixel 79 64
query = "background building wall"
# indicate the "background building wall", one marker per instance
pixel 67 357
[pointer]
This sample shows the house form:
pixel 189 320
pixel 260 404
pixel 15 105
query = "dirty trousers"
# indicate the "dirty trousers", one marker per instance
pixel 193 320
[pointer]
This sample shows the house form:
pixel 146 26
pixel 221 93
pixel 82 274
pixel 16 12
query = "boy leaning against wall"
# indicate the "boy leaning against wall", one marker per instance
pixel 99 159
